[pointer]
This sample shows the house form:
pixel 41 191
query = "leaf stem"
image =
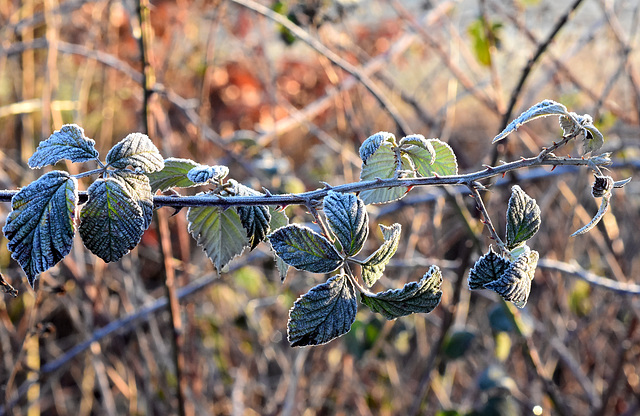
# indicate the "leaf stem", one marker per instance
pixel 473 187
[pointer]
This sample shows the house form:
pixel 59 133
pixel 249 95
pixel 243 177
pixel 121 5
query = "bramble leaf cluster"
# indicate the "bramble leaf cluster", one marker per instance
pixel 46 214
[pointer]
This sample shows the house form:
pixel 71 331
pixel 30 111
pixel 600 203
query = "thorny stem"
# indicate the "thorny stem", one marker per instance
pixel 305 197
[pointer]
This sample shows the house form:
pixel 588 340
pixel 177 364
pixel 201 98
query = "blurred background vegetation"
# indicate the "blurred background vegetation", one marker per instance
pixel 220 83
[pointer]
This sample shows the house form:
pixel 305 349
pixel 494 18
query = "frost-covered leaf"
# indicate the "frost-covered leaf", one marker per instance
pixel 137 184
pixel 415 297
pixel 569 123
pixel 441 162
pixel 255 219
pixel 604 206
pixel 324 313
pixel 219 232
pixel 542 109
pixel 593 139
pixel 373 266
pixel 67 143
pixel 515 283
pixel 383 164
pixel 304 249
pixel 523 217
pixel 421 158
pixel 419 141
pixel 173 175
pixel 138 151
pixel 279 219
pixel 445 162
pixel 40 227
pixel 203 174
pixel 348 220
pixel 371 145
pixel 488 268
pixel 112 221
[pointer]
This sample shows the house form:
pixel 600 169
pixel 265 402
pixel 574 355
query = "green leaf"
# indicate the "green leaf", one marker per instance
pixel 440 161
pixel 445 162
pixel 383 164
pixel 304 249
pixel 484 36
pixel 112 221
pixel 219 232
pixel 422 159
pixel 542 109
pixel 67 143
pixel 523 218
pixel 348 219
pixel 138 151
pixel 40 227
pixel 457 344
pixel 203 174
pixel 419 141
pixel 371 145
pixel 415 297
pixel 324 313
pixel 279 219
pixel 488 268
pixel 137 184
pixel 173 175
pixel 373 266
pixel 515 283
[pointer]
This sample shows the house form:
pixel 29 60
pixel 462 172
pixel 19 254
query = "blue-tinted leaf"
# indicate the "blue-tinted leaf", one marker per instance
pixel 515 283
pixel 542 109
pixel 348 219
pixel 324 313
pixel 373 266
pixel 279 219
pixel 137 185
pixel 138 151
pixel 203 174
pixel 383 164
pixel 67 143
pixel 488 268
pixel 415 297
pixel 112 221
pixel 371 145
pixel 304 249
pixel 173 175
pixel 255 218
pixel 219 232
pixel 523 218
pixel 40 227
